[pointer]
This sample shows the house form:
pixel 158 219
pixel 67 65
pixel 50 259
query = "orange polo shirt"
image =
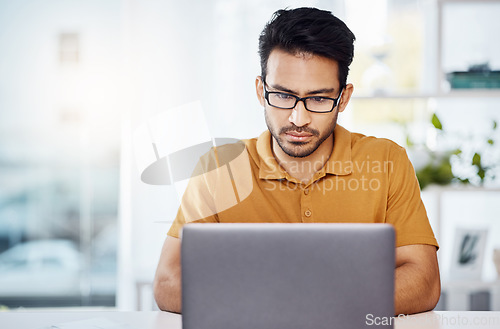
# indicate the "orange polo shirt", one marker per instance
pixel 365 180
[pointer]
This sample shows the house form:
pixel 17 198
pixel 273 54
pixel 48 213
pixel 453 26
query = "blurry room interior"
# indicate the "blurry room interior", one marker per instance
pixel 78 227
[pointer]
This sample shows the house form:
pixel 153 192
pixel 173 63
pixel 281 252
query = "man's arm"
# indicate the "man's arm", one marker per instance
pixel 417 283
pixel 167 283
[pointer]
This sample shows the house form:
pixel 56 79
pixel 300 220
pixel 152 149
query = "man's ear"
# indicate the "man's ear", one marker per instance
pixel 259 89
pixel 346 96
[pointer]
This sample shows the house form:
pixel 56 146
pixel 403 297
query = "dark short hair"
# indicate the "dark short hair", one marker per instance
pixel 308 30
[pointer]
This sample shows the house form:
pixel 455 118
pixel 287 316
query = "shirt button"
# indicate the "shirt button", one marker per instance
pixel 308 213
pixel 306 191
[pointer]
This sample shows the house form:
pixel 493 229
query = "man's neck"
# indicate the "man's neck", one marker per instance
pixel 304 169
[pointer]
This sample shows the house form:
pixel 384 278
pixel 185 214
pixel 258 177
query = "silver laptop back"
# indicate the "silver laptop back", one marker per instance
pixel 285 276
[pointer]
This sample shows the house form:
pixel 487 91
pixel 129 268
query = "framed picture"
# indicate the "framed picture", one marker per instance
pixel 468 254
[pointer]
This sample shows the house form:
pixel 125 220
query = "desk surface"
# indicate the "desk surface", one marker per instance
pixel 163 320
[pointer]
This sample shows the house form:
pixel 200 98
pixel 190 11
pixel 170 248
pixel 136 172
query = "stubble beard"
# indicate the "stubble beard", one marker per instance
pixel 300 149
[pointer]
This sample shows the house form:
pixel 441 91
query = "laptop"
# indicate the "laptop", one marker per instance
pixel 286 276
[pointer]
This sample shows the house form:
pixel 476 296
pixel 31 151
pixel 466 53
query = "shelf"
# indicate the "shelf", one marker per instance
pixel 467 1
pixel 456 93
pixel 460 188
pixel 441 74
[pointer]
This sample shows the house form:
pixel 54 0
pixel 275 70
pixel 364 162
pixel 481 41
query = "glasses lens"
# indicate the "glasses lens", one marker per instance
pixel 281 100
pixel 319 104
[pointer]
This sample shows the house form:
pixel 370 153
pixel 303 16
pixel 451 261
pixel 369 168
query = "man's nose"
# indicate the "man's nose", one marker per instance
pixel 300 116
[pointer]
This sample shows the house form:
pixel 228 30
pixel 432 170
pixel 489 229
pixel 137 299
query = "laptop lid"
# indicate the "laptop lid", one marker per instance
pixel 284 276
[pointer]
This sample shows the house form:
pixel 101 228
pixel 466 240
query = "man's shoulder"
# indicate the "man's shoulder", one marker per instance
pixel 374 145
pixel 259 147
pixel 250 143
pixel 226 151
pixel 360 140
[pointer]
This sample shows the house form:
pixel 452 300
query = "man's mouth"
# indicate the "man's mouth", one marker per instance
pixel 295 136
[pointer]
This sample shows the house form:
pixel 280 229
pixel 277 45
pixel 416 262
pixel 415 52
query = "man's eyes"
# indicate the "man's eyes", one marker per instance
pixel 313 99
pixel 284 96
pixel 318 99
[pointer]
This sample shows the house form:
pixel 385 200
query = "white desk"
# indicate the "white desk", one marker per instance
pixel 449 320
pixel 458 294
pixel 125 320
pixel 164 320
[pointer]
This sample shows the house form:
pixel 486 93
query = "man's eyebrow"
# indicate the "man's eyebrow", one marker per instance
pixel 311 92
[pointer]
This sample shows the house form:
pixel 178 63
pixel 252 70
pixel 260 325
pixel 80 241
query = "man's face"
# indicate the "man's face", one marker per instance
pixel 297 131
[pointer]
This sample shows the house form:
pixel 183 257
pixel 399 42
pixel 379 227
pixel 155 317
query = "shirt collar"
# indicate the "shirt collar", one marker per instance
pixel 269 167
pixel 340 159
pixel 339 162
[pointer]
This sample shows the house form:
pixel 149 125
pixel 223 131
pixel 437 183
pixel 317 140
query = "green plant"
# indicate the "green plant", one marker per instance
pixel 439 169
pixel 482 159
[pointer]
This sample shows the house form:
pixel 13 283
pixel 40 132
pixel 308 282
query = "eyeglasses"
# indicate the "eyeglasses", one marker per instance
pixel 316 104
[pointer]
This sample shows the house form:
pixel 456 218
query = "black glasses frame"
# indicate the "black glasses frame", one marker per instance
pixel 298 99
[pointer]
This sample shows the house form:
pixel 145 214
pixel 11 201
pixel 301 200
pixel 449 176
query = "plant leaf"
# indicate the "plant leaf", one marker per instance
pixel 494 124
pixel 481 173
pixel 409 142
pixel 464 181
pixel 436 122
pixel 476 160
pixel 491 141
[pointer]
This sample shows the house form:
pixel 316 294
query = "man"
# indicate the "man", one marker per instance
pixel 308 169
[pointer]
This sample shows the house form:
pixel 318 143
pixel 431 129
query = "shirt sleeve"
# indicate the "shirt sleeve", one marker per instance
pixel 221 179
pixel 180 221
pixel 405 209
pixel 197 203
